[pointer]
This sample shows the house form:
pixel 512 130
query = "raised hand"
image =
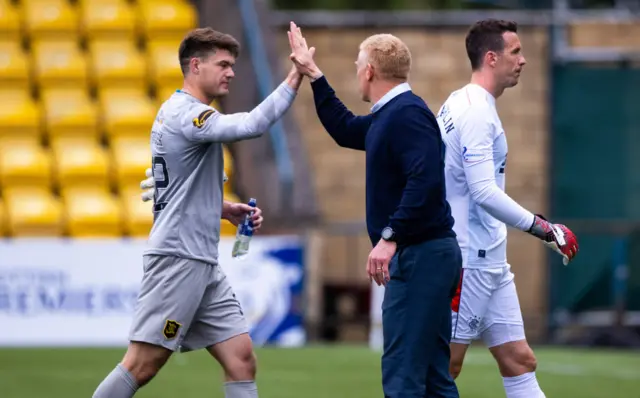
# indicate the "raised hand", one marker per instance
pixel 301 54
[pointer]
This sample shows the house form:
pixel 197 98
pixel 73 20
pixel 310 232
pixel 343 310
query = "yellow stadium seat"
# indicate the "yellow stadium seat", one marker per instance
pixel 164 67
pixel 19 114
pixel 3 222
pixel 127 112
pixel 50 20
pixel 59 64
pixel 138 215
pixel 226 228
pixel 117 64
pixel 228 165
pixel 80 163
pixel 91 212
pixel 166 19
pixel 164 93
pixel 69 113
pixel 108 20
pixel 9 21
pixel 25 164
pixel 131 157
pixel 14 69
pixel 32 212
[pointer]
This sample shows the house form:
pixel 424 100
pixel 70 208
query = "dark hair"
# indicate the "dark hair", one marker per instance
pixel 200 42
pixel 485 36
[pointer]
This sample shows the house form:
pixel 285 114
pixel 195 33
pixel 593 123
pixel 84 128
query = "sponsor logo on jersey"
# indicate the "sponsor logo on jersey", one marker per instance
pixel 471 156
pixel 202 118
pixel 170 330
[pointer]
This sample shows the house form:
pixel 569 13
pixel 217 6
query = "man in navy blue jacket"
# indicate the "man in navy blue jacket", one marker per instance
pixel 415 254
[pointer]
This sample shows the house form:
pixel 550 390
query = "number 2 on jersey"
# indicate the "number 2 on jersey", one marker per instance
pixel 158 162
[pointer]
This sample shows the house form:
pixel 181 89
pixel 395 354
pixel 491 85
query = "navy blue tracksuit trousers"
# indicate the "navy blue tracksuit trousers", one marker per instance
pixel 416 320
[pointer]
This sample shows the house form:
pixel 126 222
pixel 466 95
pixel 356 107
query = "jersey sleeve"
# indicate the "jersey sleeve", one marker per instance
pixel 477 134
pixel 202 123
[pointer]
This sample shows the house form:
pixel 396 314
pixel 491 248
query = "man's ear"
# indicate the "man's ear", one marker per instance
pixel 369 72
pixel 491 58
pixel 195 65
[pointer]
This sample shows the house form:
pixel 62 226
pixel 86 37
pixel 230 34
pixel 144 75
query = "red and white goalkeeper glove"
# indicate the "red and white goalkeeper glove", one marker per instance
pixel 555 236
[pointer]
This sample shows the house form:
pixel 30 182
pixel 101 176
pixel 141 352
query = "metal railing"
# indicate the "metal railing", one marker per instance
pixel 264 78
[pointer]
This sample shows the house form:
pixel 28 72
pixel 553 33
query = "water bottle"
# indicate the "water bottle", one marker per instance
pixel 243 235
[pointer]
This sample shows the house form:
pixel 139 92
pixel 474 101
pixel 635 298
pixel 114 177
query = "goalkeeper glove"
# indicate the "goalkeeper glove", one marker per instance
pixel 555 236
pixel 148 185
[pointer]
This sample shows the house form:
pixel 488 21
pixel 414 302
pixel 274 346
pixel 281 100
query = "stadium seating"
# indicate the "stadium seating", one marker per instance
pixel 80 83
pixel 25 163
pixel 19 114
pixel 131 156
pixel 10 27
pixel 138 215
pixel 126 112
pixel 91 212
pixel 164 19
pixel 49 20
pixel 32 212
pixel 117 64
pixel 107 20
pixel 164 69
pixel 14 69
pixel 80 163
pixel 59 64
pixel 226 228
pixel 69 113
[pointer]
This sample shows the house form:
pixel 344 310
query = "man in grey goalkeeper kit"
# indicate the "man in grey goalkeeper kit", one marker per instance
pixel 185 301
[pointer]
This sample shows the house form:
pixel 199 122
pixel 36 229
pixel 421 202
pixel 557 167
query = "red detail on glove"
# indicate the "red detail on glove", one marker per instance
pixel 570 247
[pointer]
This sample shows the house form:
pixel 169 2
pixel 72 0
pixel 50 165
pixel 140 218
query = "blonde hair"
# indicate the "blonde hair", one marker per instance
pixel 389 55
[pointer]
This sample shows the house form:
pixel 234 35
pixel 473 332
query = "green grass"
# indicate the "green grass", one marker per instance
pixel 312 372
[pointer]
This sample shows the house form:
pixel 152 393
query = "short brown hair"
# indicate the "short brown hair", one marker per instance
pixel 389 55
pixel 485 36
pixel 200 42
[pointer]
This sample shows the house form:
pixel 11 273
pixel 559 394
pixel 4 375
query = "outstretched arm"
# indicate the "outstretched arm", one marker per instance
pixel 203 123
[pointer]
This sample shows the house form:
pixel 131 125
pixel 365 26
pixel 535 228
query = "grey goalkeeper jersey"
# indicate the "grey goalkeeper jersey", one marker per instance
pixel 188 169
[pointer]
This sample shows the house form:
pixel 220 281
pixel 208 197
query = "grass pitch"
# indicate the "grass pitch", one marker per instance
pixel 310 372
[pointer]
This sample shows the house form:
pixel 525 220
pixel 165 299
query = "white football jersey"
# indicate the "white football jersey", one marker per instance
pixel 475 164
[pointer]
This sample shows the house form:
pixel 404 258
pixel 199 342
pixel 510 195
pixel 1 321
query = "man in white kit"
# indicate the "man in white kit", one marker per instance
pixel 486 305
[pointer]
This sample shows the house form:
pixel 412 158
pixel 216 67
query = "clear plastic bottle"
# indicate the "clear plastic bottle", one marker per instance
pixel 243 235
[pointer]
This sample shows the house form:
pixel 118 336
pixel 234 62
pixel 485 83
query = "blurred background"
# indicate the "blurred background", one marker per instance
pixel 81 81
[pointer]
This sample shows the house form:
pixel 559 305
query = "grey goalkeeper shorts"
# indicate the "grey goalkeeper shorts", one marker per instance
pixel 185 305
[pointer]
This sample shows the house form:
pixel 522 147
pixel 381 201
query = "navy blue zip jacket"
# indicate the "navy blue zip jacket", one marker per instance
pixel 405 185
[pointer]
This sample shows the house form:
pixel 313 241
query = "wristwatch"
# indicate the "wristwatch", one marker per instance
pixel 388 234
